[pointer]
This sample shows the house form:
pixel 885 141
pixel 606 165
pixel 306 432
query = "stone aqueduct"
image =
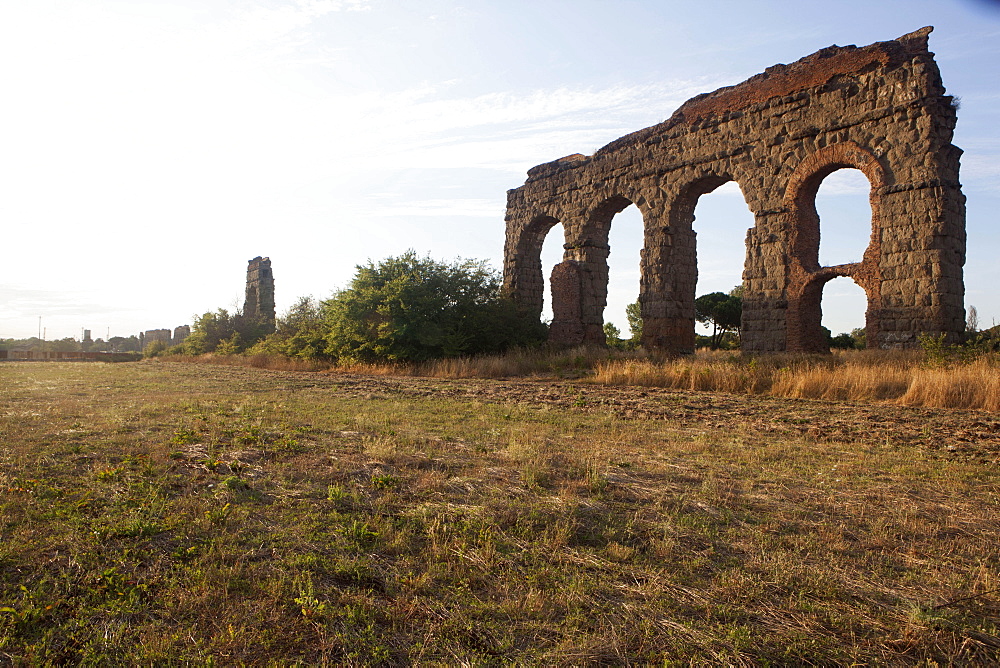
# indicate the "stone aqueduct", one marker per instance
pixel 881 109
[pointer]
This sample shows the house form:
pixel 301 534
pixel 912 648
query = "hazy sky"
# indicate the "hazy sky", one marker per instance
pixel 149 148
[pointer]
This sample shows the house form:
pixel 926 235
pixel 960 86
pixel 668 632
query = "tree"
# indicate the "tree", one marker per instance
pixel 121 344
pixel 859 336
pixel 720 310
pixel 633 312
pixel 231 346
pixel 210 329
pixel 972 321
pixel 411 308
pixel 843 342
pixel 154 348
pixel 68 344
pixel 613 336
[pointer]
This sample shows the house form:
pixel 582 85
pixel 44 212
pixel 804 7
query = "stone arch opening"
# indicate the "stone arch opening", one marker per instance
pixel 709 254
pixel 813 337
pixel 843 206
pixel 587 256
pixel 844 306
pixel 625 241
pixel 552 252
pixel 808 276
pixel 721 221
pixel 530 278
pixel 804 188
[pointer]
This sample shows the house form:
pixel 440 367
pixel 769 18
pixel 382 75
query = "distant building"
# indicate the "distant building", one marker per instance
pixel 151 336
pixel 169 338
pixel 180 333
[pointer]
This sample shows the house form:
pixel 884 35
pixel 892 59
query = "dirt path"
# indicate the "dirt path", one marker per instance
pixel 946 433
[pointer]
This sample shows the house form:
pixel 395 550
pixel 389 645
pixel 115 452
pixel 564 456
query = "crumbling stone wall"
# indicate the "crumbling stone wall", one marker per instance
pixel 259 302
pixel 881 109
pixel 164 335
pixel 153 336
pixel 180 334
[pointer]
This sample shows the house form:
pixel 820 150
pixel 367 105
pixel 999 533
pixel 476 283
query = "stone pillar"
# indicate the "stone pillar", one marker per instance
pixel 765 305
pixel 923 250
pixel 669 276
pixel 259 302
pixel 591 258
pixel 567 324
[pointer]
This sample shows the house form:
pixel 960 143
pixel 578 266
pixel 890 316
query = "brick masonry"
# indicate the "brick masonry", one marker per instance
pixel 259 302
pixel 881 109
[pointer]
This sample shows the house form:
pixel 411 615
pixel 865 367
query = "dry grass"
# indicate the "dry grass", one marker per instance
pixel 865 376
pixel 974 385
pixel 538 362
pixel 541 362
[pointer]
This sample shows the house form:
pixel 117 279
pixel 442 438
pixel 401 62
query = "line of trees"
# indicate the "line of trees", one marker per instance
pixel 116 344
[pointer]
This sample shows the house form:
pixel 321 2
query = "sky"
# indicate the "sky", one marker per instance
pixel 150 148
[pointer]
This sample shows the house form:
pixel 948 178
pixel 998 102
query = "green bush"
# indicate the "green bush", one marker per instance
pixel 231 331
pixel 411 308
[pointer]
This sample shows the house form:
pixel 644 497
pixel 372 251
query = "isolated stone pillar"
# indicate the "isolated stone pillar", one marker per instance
pixel 566 328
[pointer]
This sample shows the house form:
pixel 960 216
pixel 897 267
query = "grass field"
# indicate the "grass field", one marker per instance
pixel 158 513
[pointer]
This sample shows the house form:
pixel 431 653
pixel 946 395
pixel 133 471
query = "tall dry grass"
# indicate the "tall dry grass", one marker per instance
pixel 865 376
pixel 973 385
pixel 518 363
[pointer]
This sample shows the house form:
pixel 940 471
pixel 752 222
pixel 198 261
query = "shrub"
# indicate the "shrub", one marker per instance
pixel 232 331
pixel 411 308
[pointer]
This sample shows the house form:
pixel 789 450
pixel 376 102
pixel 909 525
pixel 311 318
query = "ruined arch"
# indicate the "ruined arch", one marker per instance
pixel 807 278
pixel 579 284
pixel 670 271
pixel 881 109
pixel 529 282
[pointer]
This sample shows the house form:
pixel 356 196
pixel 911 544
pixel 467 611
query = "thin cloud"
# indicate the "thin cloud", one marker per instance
pixel 473 208
pixel 18 301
